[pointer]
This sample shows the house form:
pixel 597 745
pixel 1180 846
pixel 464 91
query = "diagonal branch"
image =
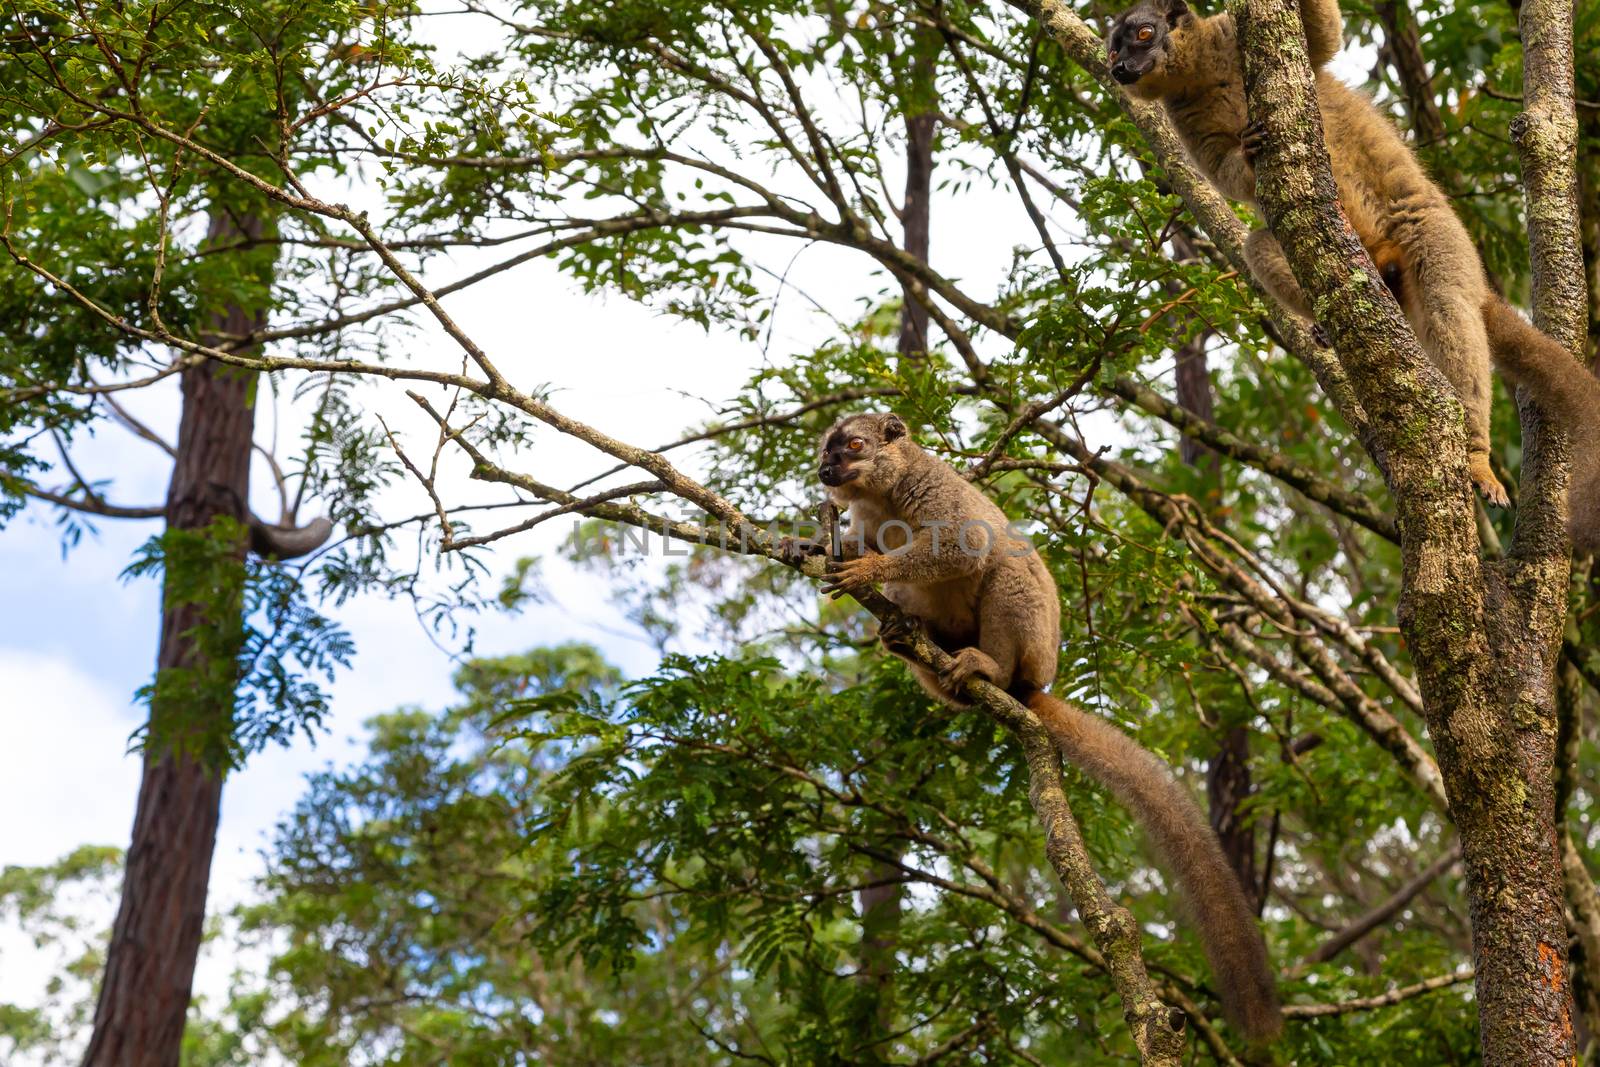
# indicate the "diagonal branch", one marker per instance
pixel 266 539
pixel 1353 505
pixel 1215 215
pixel 1381 914
pixel 1383 1000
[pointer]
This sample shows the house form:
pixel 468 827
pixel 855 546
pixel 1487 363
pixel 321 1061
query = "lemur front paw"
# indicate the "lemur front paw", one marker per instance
pixel 898 633
pixel 1320 336
pixel 965 664
pixel 1488 486
pixel 796 550
pixel 852 576
pixel 1251 140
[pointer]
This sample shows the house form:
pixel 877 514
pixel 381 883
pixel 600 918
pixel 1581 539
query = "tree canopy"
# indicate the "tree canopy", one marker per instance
pixel 774 847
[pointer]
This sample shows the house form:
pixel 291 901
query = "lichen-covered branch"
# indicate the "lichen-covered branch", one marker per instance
pixel 1382 1000
pixel 1546 136
pixel 1482 639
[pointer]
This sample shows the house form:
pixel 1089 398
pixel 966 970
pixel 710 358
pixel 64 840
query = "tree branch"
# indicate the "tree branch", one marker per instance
pixel 267 540
pixel 1214 214
pixel 1383 1000
pixel 1353 505
pixel 1381 914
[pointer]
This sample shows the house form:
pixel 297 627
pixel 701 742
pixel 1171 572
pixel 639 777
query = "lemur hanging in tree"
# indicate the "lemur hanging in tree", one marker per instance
pixel 1160 50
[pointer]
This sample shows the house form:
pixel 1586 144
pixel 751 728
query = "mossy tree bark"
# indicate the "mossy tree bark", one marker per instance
pixel 155 940
pixel 1482 635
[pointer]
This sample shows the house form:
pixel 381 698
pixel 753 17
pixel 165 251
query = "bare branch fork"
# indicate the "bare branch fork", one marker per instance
pixel 279 540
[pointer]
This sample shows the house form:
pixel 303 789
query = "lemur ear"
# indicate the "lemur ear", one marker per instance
pixel 893 428
pixel 1176 10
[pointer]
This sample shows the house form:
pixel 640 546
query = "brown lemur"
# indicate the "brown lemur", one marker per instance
pixel 946 555
pixel 1160 50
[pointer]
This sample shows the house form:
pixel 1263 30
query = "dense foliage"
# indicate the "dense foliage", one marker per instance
pixel 571 868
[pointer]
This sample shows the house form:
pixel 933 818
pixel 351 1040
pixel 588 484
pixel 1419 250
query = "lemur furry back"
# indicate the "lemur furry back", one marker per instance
pixel 1160 50
pixel 945 554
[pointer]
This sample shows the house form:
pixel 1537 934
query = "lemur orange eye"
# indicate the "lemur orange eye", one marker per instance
pixel 1145 33
pixel 856 444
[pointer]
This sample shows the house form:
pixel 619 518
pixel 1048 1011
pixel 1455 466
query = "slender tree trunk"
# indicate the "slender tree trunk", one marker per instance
pixel 880 938
pixel 1402 50
pixel 914 215
pixel 1228 783
pixel 1193 381
pixel 1228 786
pixel 1192 375
pixel 1583 901
pixel 1589 225
pixel 144 994
pixel 881 904
pixel 920 104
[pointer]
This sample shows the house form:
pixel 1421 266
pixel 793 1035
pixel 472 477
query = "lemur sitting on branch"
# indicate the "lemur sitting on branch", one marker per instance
pixel 946 555
pixel 1160 50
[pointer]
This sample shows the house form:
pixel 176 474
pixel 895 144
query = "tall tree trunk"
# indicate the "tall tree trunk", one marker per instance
pixel 1402 50
pixel 914 217
pixel 881 903
pixel 1193 381
pixel 921 115
pixel 144 994
pixel 880 938
pixel 1228 783
pixel 1482 634
pixel 1589 223
pixel 1192 373
pixel 1228 786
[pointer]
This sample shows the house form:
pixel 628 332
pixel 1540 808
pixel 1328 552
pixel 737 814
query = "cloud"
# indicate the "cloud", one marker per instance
pixel 66 776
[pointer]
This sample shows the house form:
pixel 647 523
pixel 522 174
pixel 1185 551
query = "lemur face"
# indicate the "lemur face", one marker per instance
pixel 857 451
pixel 1140 37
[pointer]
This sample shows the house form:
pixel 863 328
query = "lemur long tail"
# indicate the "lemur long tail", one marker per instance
pixel 1188 849
pixel 1526 354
